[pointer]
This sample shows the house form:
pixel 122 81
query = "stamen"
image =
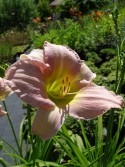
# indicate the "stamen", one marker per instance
pixel 65 88
pixel 68 87
pixel 53 85
pixel 67 79
pixel 63 82
pixel 60 88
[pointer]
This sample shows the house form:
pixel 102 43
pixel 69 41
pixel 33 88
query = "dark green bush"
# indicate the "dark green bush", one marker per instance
pixel 5 53
pixel 16 13
pixel 108 66
pixel 93 57
pixel 107 53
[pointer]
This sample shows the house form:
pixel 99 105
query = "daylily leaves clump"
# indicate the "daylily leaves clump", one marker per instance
pixel 58 82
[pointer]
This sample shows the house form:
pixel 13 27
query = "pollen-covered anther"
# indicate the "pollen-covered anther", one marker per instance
pixel 67 79
pixel 65 87
pixel 63 82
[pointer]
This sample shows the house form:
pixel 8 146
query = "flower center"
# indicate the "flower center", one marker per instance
pixel 65 87
pixel 59 91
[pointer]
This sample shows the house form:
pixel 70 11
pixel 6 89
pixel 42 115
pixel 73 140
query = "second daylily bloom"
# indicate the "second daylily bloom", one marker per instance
pixel 4 89
pixel 4 92
pixel 57 82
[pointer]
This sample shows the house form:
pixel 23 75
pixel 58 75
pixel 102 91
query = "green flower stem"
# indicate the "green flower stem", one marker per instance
pixel 117 67
pixel 121 79
pixel 107 148
pixel 12 127
pixel 31 137
pixel 2 162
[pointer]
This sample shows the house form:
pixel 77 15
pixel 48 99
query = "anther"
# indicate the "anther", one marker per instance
pixel 68 87
pixel 60 88
pixel 64 89
pixel 67 79
pixel 63 82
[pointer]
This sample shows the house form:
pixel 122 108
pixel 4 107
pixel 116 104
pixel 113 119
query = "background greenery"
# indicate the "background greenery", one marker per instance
pixel 95 32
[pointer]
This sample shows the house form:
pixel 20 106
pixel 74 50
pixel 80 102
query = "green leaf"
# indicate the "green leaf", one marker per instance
pixel 122 163
pixel 79 142
pixel 4 163
pixel 40 163
pixel 81 159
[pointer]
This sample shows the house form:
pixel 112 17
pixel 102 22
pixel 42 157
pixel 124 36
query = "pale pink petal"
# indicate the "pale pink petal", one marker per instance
pixel 4 89
pixel 27 79
pixel 62 60
pixel 2 113
pixel 86 73
pixel 92 101
pixel 47 123
pixel 34 54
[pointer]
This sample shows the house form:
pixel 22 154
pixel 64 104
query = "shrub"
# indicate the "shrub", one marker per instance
pixel 16 13
pixel 93 57
pixel 5 53
pixel 15 38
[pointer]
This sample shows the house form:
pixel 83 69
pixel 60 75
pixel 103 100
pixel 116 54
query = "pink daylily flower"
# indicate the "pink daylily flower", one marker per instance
pixel 4 89
pixel 57 82
pixel 4 92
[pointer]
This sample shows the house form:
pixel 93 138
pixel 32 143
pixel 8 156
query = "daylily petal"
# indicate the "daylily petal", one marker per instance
pixel 4 89
pixel 35 54
pixel 62 60
pixel 2 113
pixel 47 123
pixel 27 79
pixel 86 73
pixel 92 101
